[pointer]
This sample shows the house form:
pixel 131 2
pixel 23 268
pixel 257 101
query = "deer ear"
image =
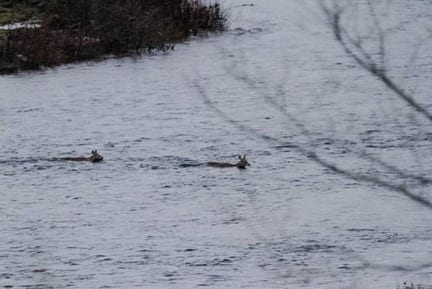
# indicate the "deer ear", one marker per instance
pixel 239 157
pixel 92 152
pixel 95 151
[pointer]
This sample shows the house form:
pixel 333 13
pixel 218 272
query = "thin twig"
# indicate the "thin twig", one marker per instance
pixel 343 38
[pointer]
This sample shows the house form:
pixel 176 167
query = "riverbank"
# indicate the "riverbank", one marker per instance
pixel 71 31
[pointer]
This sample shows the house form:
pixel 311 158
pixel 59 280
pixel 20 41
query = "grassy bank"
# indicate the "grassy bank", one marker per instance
pixel 76 30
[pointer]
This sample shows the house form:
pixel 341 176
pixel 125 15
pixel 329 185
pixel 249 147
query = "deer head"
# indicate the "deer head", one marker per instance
pixel 95 157
pixel 242 163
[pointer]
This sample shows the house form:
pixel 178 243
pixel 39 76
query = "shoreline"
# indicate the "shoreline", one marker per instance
pixel 73 33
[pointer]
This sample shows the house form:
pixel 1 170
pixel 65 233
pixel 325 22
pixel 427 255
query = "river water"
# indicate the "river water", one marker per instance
pixel 152 216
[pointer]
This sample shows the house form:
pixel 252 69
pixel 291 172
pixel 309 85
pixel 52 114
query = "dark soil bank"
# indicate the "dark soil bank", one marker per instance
pixel 75 30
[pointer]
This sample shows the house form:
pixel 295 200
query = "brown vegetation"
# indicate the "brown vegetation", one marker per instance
pixel 74 30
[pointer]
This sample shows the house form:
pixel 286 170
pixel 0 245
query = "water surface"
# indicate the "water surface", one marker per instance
pixel 150 216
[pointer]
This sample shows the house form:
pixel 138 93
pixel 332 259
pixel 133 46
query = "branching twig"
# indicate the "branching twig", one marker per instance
pixel 343 38
pixel 308 135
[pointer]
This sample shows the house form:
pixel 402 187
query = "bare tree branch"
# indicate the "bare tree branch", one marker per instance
pixel 381 173
pixel 362 57
pixel 306 133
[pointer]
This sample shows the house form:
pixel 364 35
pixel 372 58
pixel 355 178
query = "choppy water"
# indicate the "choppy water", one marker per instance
pixel 150 216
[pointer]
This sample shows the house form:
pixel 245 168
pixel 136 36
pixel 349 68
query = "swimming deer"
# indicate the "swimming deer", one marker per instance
pixel 241 164
pixel 95 157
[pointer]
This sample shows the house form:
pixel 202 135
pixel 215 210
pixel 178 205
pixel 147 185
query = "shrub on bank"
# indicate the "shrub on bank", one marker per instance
pixel 73 30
